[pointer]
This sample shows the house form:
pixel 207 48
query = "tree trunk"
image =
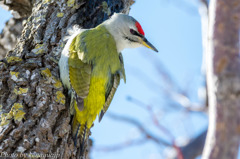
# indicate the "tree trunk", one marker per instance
pixel 223 78
pixel 34 113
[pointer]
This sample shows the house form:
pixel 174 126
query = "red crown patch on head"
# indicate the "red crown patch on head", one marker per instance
pixel 139 28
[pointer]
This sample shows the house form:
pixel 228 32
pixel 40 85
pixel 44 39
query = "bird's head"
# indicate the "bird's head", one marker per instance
pixel 127 32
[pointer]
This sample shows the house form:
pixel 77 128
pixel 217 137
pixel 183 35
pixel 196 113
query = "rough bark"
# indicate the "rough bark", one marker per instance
pixel 34 112
pixel 223 78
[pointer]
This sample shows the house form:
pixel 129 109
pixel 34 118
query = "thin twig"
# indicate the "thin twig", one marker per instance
pixel 121 146
pixel 159 126
pixel 140 126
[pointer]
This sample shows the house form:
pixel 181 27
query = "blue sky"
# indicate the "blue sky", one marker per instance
pixel 175 30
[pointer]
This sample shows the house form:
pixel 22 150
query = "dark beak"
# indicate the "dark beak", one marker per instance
pixel 146 43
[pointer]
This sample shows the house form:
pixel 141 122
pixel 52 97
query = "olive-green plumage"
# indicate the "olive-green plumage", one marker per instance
pixel 91 66
pixel 95 68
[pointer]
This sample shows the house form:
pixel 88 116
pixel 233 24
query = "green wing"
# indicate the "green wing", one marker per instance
pixel 79 74
pixel 113 87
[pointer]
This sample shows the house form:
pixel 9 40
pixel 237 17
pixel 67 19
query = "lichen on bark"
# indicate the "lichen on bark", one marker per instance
pixel 30 77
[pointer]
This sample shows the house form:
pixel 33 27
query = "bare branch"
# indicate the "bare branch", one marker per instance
pixel 22 8
pixel 159 126
pixel 204 3
pixel 147 133
pixel 140 127
pixel 10 35
pixel 170 88
pixel 121 146
pixel 194 148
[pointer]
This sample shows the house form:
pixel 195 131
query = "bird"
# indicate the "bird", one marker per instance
pixel 91 67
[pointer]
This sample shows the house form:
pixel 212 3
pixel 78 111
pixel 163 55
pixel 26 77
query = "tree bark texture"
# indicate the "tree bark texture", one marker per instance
pixel 223 79
pixel 34 112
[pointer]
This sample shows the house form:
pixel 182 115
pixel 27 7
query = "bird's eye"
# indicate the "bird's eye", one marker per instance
pixel 133 32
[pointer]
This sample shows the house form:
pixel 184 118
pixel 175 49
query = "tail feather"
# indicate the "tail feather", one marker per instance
pixel 80 132
pixel 75 130
pixel 83 139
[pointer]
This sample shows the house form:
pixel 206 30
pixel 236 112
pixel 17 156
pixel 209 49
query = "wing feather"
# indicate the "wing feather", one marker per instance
pixel 80 75
pixel 112 87
pixel 109 97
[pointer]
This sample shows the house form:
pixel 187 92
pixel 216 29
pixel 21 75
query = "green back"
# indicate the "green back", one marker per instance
pixel 99 50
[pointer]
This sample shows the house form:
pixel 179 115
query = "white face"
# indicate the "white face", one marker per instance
pixel 130 34
pixel 127 32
